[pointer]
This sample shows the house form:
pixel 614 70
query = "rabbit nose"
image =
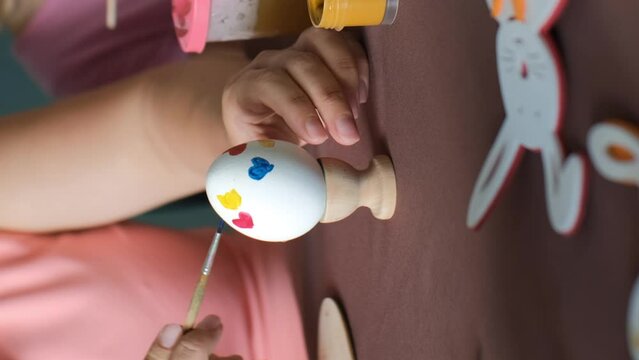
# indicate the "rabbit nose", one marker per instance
pixel 524 71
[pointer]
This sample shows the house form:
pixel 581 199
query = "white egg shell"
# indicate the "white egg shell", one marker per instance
pixel 287 202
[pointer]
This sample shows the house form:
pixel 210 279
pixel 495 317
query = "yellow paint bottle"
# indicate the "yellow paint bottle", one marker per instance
pixel 337 14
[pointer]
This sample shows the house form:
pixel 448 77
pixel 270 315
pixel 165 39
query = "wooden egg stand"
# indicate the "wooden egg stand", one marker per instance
pixel 348 189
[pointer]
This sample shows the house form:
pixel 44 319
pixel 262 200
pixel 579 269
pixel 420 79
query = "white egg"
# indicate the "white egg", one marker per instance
pixel 268 190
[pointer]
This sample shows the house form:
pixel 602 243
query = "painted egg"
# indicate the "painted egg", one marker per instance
pixel 267 190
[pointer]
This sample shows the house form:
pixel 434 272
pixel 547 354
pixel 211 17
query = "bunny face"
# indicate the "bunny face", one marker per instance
pixel 529 70
pixel 531 82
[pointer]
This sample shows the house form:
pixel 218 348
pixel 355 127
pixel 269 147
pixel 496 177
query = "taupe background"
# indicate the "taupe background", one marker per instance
pixel 422 286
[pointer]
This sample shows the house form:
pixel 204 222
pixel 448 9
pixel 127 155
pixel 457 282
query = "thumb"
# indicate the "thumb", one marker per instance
pixel 199 342
pixel 164 342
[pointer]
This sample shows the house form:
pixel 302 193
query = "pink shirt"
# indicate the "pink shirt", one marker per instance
pixel 104 294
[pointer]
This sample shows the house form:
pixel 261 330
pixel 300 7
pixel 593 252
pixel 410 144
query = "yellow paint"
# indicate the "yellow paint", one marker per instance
pixel 231 200
pixel 336 14
pixel 267 143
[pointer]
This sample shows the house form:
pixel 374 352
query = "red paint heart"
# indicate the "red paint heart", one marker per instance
pixel 245 221
pixel 237 150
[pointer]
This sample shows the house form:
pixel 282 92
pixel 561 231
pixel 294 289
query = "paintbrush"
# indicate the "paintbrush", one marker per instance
pixel 111 14
pixel 198 294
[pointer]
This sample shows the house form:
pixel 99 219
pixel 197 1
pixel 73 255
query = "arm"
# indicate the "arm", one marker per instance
pixel 126 148
pixel 116 152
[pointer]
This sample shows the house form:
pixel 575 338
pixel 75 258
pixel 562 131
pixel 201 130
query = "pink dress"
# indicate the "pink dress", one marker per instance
pixel 106 292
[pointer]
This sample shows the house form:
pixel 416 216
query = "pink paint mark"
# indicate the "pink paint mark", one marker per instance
pixel 524 71
pixel 237 150
pixel 245 221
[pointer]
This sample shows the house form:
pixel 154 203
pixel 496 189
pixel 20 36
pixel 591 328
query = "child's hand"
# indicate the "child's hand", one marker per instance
pixel 276 95
pixel 197 344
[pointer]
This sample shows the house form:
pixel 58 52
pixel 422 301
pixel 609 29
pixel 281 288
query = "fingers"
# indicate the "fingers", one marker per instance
pixel 277 91
pixel 198 344
pixel 316 87
pixel 362 68
pixel 343 56
pixel 166 339
pixel 234 357
pixel 326 93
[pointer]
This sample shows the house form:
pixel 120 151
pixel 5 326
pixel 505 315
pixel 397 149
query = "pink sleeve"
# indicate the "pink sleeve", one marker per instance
pixel 68 49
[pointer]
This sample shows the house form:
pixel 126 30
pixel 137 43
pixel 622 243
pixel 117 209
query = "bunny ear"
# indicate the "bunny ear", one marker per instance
pixel 504 10
pixel 499 9
pixel 542 14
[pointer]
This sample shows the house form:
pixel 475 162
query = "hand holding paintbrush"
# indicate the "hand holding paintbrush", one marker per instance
pixel 196 344
pixel 198 294
pixel 188 342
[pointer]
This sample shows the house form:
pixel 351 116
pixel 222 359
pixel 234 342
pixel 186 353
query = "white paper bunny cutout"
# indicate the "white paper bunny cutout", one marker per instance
pixel 532 87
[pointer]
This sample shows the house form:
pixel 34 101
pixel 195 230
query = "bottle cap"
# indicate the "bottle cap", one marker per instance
pixel 337 14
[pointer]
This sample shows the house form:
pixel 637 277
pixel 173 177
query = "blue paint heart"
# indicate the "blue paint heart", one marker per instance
pixel 260 168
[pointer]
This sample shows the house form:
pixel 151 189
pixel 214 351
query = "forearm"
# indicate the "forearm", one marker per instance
pixel 113 153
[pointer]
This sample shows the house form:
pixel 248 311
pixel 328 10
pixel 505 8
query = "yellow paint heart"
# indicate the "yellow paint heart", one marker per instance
pixel 267 143
pixel 231 200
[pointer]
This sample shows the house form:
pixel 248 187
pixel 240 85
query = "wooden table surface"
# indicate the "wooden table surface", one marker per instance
pixel 423 286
